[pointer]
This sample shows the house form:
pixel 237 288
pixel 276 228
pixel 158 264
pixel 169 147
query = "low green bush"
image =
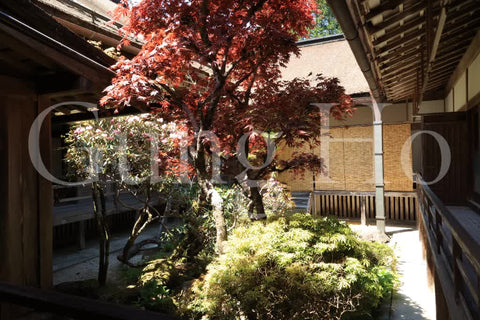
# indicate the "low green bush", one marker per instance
pixel 293 267
pixel 153 284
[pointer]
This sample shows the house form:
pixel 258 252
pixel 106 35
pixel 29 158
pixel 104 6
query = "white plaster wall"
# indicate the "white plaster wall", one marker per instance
pixel 460 89
pixel 474 78
pixel 434 106
pixel 449 102
pixel 395 113
pixel 363 115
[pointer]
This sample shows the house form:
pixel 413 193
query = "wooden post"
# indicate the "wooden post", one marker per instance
pixel 45 200
pixel 440 302
pixel 81 235
pixel 379 181
pixel 457 277
pixel 314 204
pixel 363 212
pixel 379 168
pixel 25 224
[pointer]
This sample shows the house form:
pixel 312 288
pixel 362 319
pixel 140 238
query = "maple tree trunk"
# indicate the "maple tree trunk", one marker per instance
pixel 143 220
pixel 209 193
pixel 216 203
pixel 100 213
pixel 256 210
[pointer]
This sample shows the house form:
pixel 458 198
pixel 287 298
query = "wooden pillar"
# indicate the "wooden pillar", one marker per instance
pixel 25 199
pixel 363 211
pixel 45 200
pixel 440 302
pixel 379 179
pixel 379 169
pixel 3 195
pixel 19 220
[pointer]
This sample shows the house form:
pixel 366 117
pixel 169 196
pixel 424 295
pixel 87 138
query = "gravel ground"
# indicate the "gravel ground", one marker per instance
pixel 71 264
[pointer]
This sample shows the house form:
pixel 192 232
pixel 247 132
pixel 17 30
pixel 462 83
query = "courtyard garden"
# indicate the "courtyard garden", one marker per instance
pixel 206 152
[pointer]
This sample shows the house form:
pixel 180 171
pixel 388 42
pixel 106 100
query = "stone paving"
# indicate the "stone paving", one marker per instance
pixel 71 264
pixel 415 297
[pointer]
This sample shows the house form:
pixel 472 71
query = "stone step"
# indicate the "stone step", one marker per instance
pixel 300 194
pixel 301 200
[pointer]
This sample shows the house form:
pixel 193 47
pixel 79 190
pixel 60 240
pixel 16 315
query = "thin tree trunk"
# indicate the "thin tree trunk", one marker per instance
pixel 209 193
pixel 256 205
pixel 220 225
pixel 103 231
pixel 141 221
pixel 216 203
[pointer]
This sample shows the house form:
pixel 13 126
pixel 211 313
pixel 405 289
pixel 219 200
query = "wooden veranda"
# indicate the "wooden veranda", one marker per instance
pixel 428 53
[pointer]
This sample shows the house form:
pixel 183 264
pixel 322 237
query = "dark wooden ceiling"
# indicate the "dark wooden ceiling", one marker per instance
pixel 415 46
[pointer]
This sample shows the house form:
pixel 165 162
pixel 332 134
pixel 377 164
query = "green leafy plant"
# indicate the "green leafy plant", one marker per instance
pixel 293 267
pixel 154 293
pixel 325 22
pixel 132 152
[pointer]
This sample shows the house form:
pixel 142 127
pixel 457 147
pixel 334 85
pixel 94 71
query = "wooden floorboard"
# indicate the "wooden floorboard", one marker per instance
pixel 83 209
pixel 469 219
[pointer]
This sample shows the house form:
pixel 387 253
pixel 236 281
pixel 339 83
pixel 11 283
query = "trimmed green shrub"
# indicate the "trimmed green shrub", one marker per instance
pixel 153 284
pixel 294 267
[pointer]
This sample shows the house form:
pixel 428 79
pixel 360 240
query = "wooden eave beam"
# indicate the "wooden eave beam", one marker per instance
pixel 446 61
pixel 401 88
pixel 412 37
pixel 433 50
pixel 403 51
pixel 459 25
pixel 19 47
pixel 461 44
pixel 413 10
pixel 61 84
pixel 441 76
pixel 393 84
pixel 445 54
pixel 83 116
pixel 406 68
pixel 446 65
pixel 407 90
pixel 382 8
pixel 398 31
pixel 387 68
pixel 72 60
pixel 389 83
pixel 435 86
pixel 401 97
pixel 403 74
pixel 398 59
pixel 16 86
pixel 464 62
pixel 404 87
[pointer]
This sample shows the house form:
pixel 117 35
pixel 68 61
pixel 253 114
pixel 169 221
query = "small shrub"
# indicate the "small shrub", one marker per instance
pixel 153 284
pixel 294 267
pixel 276 198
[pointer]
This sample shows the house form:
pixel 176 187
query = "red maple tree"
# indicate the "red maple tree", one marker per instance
pixel 216 65
pixel 293 114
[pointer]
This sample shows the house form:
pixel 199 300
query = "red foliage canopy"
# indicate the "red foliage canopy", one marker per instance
pixel 200 54
pixel 216 64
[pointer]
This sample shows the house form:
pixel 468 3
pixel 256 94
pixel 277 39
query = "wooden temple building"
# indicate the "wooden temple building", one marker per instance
pixel 427 54
pixel 45 59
